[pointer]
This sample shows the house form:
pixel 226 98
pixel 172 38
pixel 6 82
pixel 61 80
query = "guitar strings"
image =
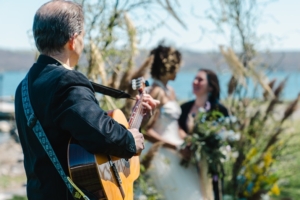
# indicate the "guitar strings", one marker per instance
pixel 135 121
pixel 138 119
pixel 133 115
pixel 140 114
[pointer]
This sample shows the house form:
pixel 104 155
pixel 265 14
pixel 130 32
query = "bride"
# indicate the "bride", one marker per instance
pixel 171 179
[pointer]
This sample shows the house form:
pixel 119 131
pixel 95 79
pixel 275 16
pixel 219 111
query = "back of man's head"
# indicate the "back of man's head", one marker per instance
pixel 55 23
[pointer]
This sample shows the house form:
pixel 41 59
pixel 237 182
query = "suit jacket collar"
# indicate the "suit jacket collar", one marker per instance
pixel 44 59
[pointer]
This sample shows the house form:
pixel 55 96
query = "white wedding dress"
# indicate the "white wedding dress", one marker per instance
pixel 172 180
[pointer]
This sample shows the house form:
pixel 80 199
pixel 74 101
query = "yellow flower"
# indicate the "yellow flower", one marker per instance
pixel 268 159
pixel 275 190
pixel 257 170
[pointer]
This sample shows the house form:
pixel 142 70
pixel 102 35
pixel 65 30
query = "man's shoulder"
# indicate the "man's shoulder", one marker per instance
pixel 71 79
pixel 65 76
pixel 56 78
pixel 73 75
pixel 47 66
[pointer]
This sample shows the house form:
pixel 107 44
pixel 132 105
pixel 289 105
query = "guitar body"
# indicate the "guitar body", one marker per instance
pixel 93 172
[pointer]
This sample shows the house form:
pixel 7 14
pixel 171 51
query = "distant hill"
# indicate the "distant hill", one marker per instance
pixel 290 61
pixel 16 60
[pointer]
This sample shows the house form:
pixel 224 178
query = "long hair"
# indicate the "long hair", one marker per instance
pixel 213 82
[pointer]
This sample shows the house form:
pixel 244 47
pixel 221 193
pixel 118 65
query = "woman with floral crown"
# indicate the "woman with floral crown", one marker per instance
pixel 171 179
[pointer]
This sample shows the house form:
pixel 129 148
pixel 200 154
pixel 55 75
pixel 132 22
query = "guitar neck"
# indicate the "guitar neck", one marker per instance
pixel 137 114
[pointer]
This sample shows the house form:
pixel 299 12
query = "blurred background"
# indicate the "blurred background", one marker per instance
pixel 262 36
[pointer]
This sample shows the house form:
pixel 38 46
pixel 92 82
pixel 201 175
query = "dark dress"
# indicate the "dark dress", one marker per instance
pixel 63 101
pixel 186 107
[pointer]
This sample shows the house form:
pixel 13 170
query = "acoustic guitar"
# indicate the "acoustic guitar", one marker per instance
pixel 105 176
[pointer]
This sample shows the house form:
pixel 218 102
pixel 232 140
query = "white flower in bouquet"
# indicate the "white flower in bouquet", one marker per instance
pixel 234 136
pixel 230 119
pixel 201 110
pixel 235 154
pixel 229 135
pixel 226 151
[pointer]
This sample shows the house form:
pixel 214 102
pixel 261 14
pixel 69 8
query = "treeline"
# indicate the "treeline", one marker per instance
pixel 285 60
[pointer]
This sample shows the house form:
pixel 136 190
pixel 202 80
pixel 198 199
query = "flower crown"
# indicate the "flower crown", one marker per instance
pixel 171 62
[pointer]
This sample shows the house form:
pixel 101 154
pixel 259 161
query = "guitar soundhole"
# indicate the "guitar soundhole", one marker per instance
pixel 126 162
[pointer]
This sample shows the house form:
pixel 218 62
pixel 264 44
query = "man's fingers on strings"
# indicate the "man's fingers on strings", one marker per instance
pixel 152 102
pixel 146 106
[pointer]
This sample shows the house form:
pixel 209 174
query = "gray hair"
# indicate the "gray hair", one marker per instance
pixel 55 23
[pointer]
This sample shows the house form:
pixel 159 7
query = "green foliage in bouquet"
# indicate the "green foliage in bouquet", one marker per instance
pixel 210 139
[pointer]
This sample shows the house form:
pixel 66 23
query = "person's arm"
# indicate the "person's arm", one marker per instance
pixel 182 133
pixel 76 110
pixel 153 136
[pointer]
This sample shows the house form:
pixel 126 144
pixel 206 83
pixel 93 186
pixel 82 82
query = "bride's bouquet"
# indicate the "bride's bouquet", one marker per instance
pixel 211 139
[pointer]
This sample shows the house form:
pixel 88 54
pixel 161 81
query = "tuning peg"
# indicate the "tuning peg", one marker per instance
pixel 133 84
pixel 139 83
pixel 147 83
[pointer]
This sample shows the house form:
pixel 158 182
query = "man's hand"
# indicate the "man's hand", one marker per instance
pixel 149 103
pixel 138 139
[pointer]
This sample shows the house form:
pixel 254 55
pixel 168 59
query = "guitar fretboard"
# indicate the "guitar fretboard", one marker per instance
pixel 136 117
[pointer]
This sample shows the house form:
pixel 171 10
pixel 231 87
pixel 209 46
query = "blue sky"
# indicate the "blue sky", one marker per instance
pixel 281 21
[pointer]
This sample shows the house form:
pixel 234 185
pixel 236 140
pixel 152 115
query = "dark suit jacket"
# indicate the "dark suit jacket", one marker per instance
pixel 63 101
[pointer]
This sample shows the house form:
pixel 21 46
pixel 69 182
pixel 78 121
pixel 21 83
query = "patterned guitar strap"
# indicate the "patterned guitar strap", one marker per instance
pixel 35 125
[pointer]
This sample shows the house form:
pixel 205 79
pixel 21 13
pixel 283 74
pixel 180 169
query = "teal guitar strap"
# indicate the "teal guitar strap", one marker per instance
pixel 35 125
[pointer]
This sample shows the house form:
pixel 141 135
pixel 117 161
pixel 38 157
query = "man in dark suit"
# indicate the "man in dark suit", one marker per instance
pixel 63 101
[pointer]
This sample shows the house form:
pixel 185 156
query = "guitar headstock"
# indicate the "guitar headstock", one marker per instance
pixel 139 84
pixel 138 113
